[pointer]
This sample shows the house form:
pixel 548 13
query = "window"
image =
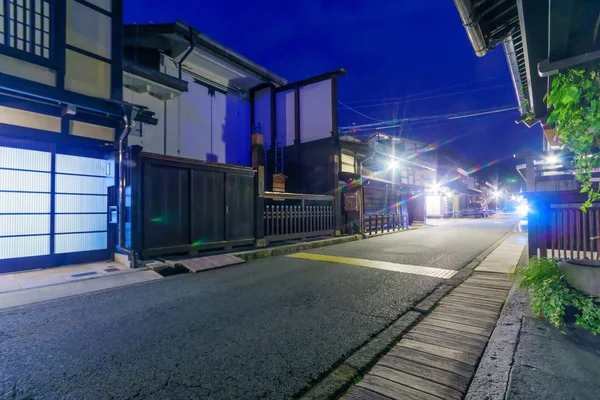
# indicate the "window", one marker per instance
pixel 25 25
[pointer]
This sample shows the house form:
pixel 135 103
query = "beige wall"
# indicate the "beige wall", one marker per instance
pixel 91 31
pixel 26 70
pixel 92 131
pixel 28 119
pixel 87 75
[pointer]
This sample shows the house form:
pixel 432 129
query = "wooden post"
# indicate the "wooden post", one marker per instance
pixel 258 163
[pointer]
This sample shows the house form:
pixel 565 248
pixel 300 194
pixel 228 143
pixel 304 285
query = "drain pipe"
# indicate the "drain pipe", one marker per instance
pixel 187 52
pixel 128 123
pixel 467 15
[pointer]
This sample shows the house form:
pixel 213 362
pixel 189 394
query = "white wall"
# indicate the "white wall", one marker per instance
pixel 198 125
pixel 315 111
pixel 285 117
pixel 152 139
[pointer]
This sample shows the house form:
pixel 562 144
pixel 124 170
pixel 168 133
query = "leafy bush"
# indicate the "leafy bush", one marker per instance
pixel 550 294
pixel 575 103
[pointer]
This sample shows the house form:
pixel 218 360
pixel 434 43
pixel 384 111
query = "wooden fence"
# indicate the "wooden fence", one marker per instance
pixel 379 223
pixel 573 233
pixel 297 222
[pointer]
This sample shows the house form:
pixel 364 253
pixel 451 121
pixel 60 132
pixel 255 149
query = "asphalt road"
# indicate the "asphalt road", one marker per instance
pixel 262 330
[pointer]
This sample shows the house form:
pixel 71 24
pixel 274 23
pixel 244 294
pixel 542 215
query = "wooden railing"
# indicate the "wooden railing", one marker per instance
pixel 379 223
pixel 297 222
pixel 574 234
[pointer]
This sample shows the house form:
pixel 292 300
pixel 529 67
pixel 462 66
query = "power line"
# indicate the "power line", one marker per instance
pixel 389 123
pixel 429 97
pixel 483 113
pixel 425 92
pixel 359 113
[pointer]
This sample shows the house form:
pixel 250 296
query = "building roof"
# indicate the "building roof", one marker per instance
pixel 540 38
pixel 175 38
pixel 141 78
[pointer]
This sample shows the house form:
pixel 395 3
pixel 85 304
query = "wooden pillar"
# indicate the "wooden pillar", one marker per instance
pixel 336 191
pixel 530 174
pixel 258 163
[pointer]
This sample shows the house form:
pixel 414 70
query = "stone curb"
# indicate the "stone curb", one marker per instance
pixel 336 382
pixel 493 373
pixel 251 255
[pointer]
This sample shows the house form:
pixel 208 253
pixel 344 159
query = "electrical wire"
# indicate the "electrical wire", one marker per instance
pixel 425 92
pixel 429 97
pixel 359 113
pixel 466 114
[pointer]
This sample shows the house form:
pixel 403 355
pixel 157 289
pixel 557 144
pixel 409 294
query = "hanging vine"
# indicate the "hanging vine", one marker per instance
pixel 575 102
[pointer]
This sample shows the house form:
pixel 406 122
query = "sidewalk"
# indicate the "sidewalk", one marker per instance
pixel 528 358
pixel 438 357
pixel 29 287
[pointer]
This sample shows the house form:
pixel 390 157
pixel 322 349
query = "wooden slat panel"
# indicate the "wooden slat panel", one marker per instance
pixel 360 393
pixel 578 232
pixel 441 351
pixel 490 293
pixel 487 283
pixel 456 313
pixel 416 382
pixel 459 327
pixel 446 378
pixel 461 345
pixel 475 340
pixel 445 329
pixel 452 308
pixel 461 320
pixel 553 233
pixel 597 235
pixel 392 389
pixel 475 301
pixel 432 360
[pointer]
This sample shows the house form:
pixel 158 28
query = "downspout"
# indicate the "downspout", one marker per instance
pixel 511 59
pixel 180 71
pixel 128 122
pixel 187 52
pixel 467 15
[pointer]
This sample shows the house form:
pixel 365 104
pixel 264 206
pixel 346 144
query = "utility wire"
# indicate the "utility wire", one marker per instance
pixel 428 98
pixel 467 114
pixel 425 92
pixel 359 113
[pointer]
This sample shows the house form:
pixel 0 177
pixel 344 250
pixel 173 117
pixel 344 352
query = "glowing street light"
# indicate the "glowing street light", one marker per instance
pixel 552 159
pixel 393 164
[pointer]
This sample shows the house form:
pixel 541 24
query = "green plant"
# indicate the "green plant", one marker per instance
pixel 575 103
pixel 550 294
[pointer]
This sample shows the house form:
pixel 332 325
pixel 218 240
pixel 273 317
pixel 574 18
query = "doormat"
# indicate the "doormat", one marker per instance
pixel 112 269
pixel 210 262
pixel 82 274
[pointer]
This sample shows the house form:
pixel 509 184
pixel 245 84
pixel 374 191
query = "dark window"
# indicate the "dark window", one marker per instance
pixel 26 26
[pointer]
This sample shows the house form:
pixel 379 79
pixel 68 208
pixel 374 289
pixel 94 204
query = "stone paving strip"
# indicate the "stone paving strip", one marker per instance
pixel 438 357
pixel 388 266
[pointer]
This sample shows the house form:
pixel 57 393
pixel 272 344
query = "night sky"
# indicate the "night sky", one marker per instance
pixel 389 48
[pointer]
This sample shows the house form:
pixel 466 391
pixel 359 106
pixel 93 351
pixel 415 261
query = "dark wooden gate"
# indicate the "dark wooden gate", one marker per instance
pixel 183 205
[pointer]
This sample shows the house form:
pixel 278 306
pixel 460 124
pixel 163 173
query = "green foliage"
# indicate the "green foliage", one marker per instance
pixel 575 102
pixel 550 294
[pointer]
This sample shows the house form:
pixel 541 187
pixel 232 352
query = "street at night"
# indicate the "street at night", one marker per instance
pixel 314 200
pixel 265 329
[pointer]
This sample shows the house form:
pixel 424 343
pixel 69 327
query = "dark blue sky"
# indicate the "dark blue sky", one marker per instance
pixel 389 48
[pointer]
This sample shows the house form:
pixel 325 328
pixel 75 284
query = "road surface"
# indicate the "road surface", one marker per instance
pixel 262 330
